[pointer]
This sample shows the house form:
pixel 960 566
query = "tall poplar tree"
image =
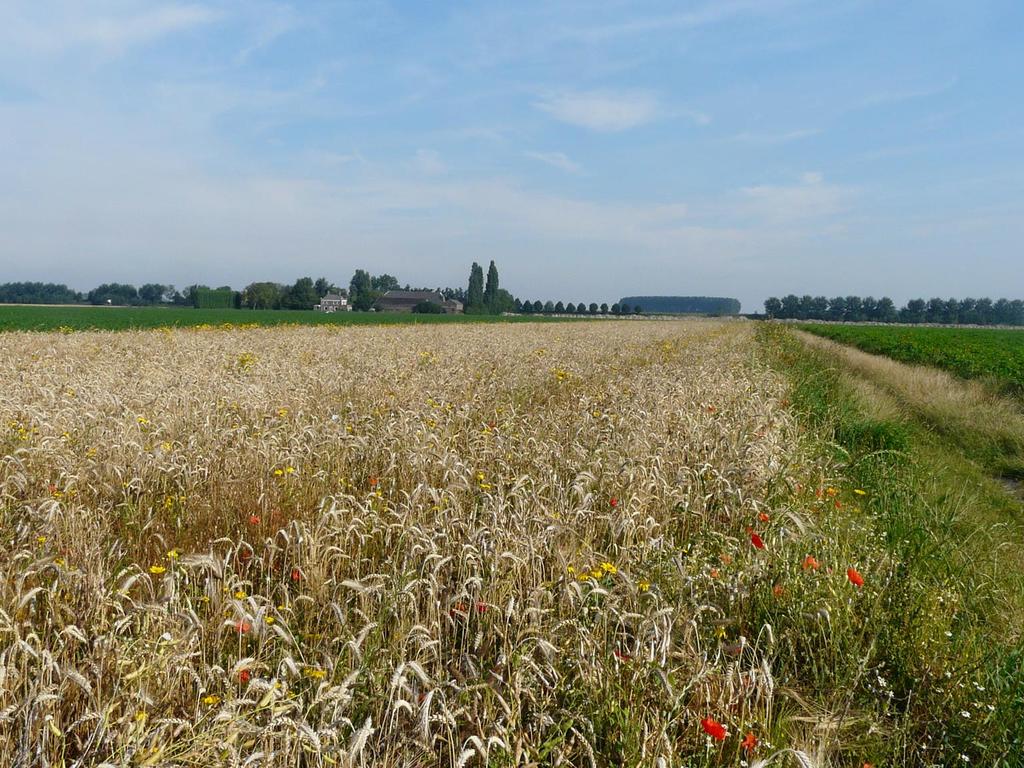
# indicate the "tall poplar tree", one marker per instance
pixel 475 293
pixel 491 291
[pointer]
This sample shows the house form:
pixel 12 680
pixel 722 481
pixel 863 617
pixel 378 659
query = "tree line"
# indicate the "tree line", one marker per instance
pixel 482 295
pixel 558 308
pixel 869 309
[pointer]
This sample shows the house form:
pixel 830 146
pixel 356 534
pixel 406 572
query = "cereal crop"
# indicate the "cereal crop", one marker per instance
pixel 583 544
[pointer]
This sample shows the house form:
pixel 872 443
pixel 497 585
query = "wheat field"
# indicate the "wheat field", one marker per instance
pixel 507 545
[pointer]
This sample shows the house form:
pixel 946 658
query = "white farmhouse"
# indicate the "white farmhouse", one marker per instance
pixel 333 302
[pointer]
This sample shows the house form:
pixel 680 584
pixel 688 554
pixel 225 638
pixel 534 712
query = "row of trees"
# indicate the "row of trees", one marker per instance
pixel 38 293
pixel 694 305
pixel 304 293
pixel 558 308
pixel 883 310
pixel 486 298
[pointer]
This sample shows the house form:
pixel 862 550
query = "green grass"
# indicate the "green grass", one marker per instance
pixel 945 629
pixel 79 318
pixel 994 355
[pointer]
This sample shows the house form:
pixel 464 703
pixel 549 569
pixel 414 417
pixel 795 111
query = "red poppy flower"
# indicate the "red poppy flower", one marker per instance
pixel 254 519
pixel 713 728
pixel 763 517
pixel 481 607
pixel 811 563
pixel 243 627
pixel 756 541
pixel 855 578
pixel 778 590
pixel 244 676
pixel 613 501
pixel 373 481
pixel 749 742
pixel 622 656
pixel 296 574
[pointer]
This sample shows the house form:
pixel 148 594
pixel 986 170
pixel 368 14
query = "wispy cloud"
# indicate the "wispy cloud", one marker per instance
pixel 123 32
pixel 53 28
pixel 709 14
pixel 429 161
pixel 555 160
pixel 774 138
pixel 810 198
pixel 601 110
pixel 909 94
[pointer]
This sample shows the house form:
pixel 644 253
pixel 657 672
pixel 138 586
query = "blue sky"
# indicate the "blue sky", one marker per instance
pixel 717 147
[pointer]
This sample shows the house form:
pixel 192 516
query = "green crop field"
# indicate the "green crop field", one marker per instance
pixel 974 353
pixel 23 317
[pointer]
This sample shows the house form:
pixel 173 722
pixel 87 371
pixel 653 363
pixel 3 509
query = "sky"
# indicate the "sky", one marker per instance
pixel 594 150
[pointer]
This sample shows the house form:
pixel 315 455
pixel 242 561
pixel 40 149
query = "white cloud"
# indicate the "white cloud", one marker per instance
pixel 429 161
pixel 601 110
pixel 144 27
pixel 711 13
pixel 775 138
pixel 54 27
pixel 811 198
pixel 555 160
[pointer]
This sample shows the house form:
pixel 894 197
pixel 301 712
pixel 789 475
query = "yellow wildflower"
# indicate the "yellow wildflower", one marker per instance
pixel 314 673
pixel 240 595
pixel 644 585
pixel 211 700
pixel 173 554
pixel 860 492
pixel 156 569
pixel 609 568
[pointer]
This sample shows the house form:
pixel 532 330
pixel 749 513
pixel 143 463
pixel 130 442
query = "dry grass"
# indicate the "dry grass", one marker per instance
pixel 964 409
pixel 399 546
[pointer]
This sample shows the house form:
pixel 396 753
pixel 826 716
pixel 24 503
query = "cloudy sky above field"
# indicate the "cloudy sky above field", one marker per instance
pixel 719 147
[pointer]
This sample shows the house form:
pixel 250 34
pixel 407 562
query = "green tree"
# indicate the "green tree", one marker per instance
pixel 152 293
pixel 114 293
pixel 604 308
pixel 384 283
pixel 570 308
pixel 616 309
pixel 361 291
pixel 262 296
pixel 559 307
pixel 475 292
pixel 323 286
pixel 428 308
pixel 302 295
pixel 491 289
pixel 549 307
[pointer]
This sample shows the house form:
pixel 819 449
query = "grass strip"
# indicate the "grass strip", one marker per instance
pixel 947 631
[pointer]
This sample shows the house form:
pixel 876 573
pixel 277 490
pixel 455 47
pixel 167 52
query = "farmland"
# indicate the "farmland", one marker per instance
pixel 996 356
pixel 24 317
pixel 579 544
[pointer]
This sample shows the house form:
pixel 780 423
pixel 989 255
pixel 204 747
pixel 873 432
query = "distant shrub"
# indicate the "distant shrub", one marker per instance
pixel 428 308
